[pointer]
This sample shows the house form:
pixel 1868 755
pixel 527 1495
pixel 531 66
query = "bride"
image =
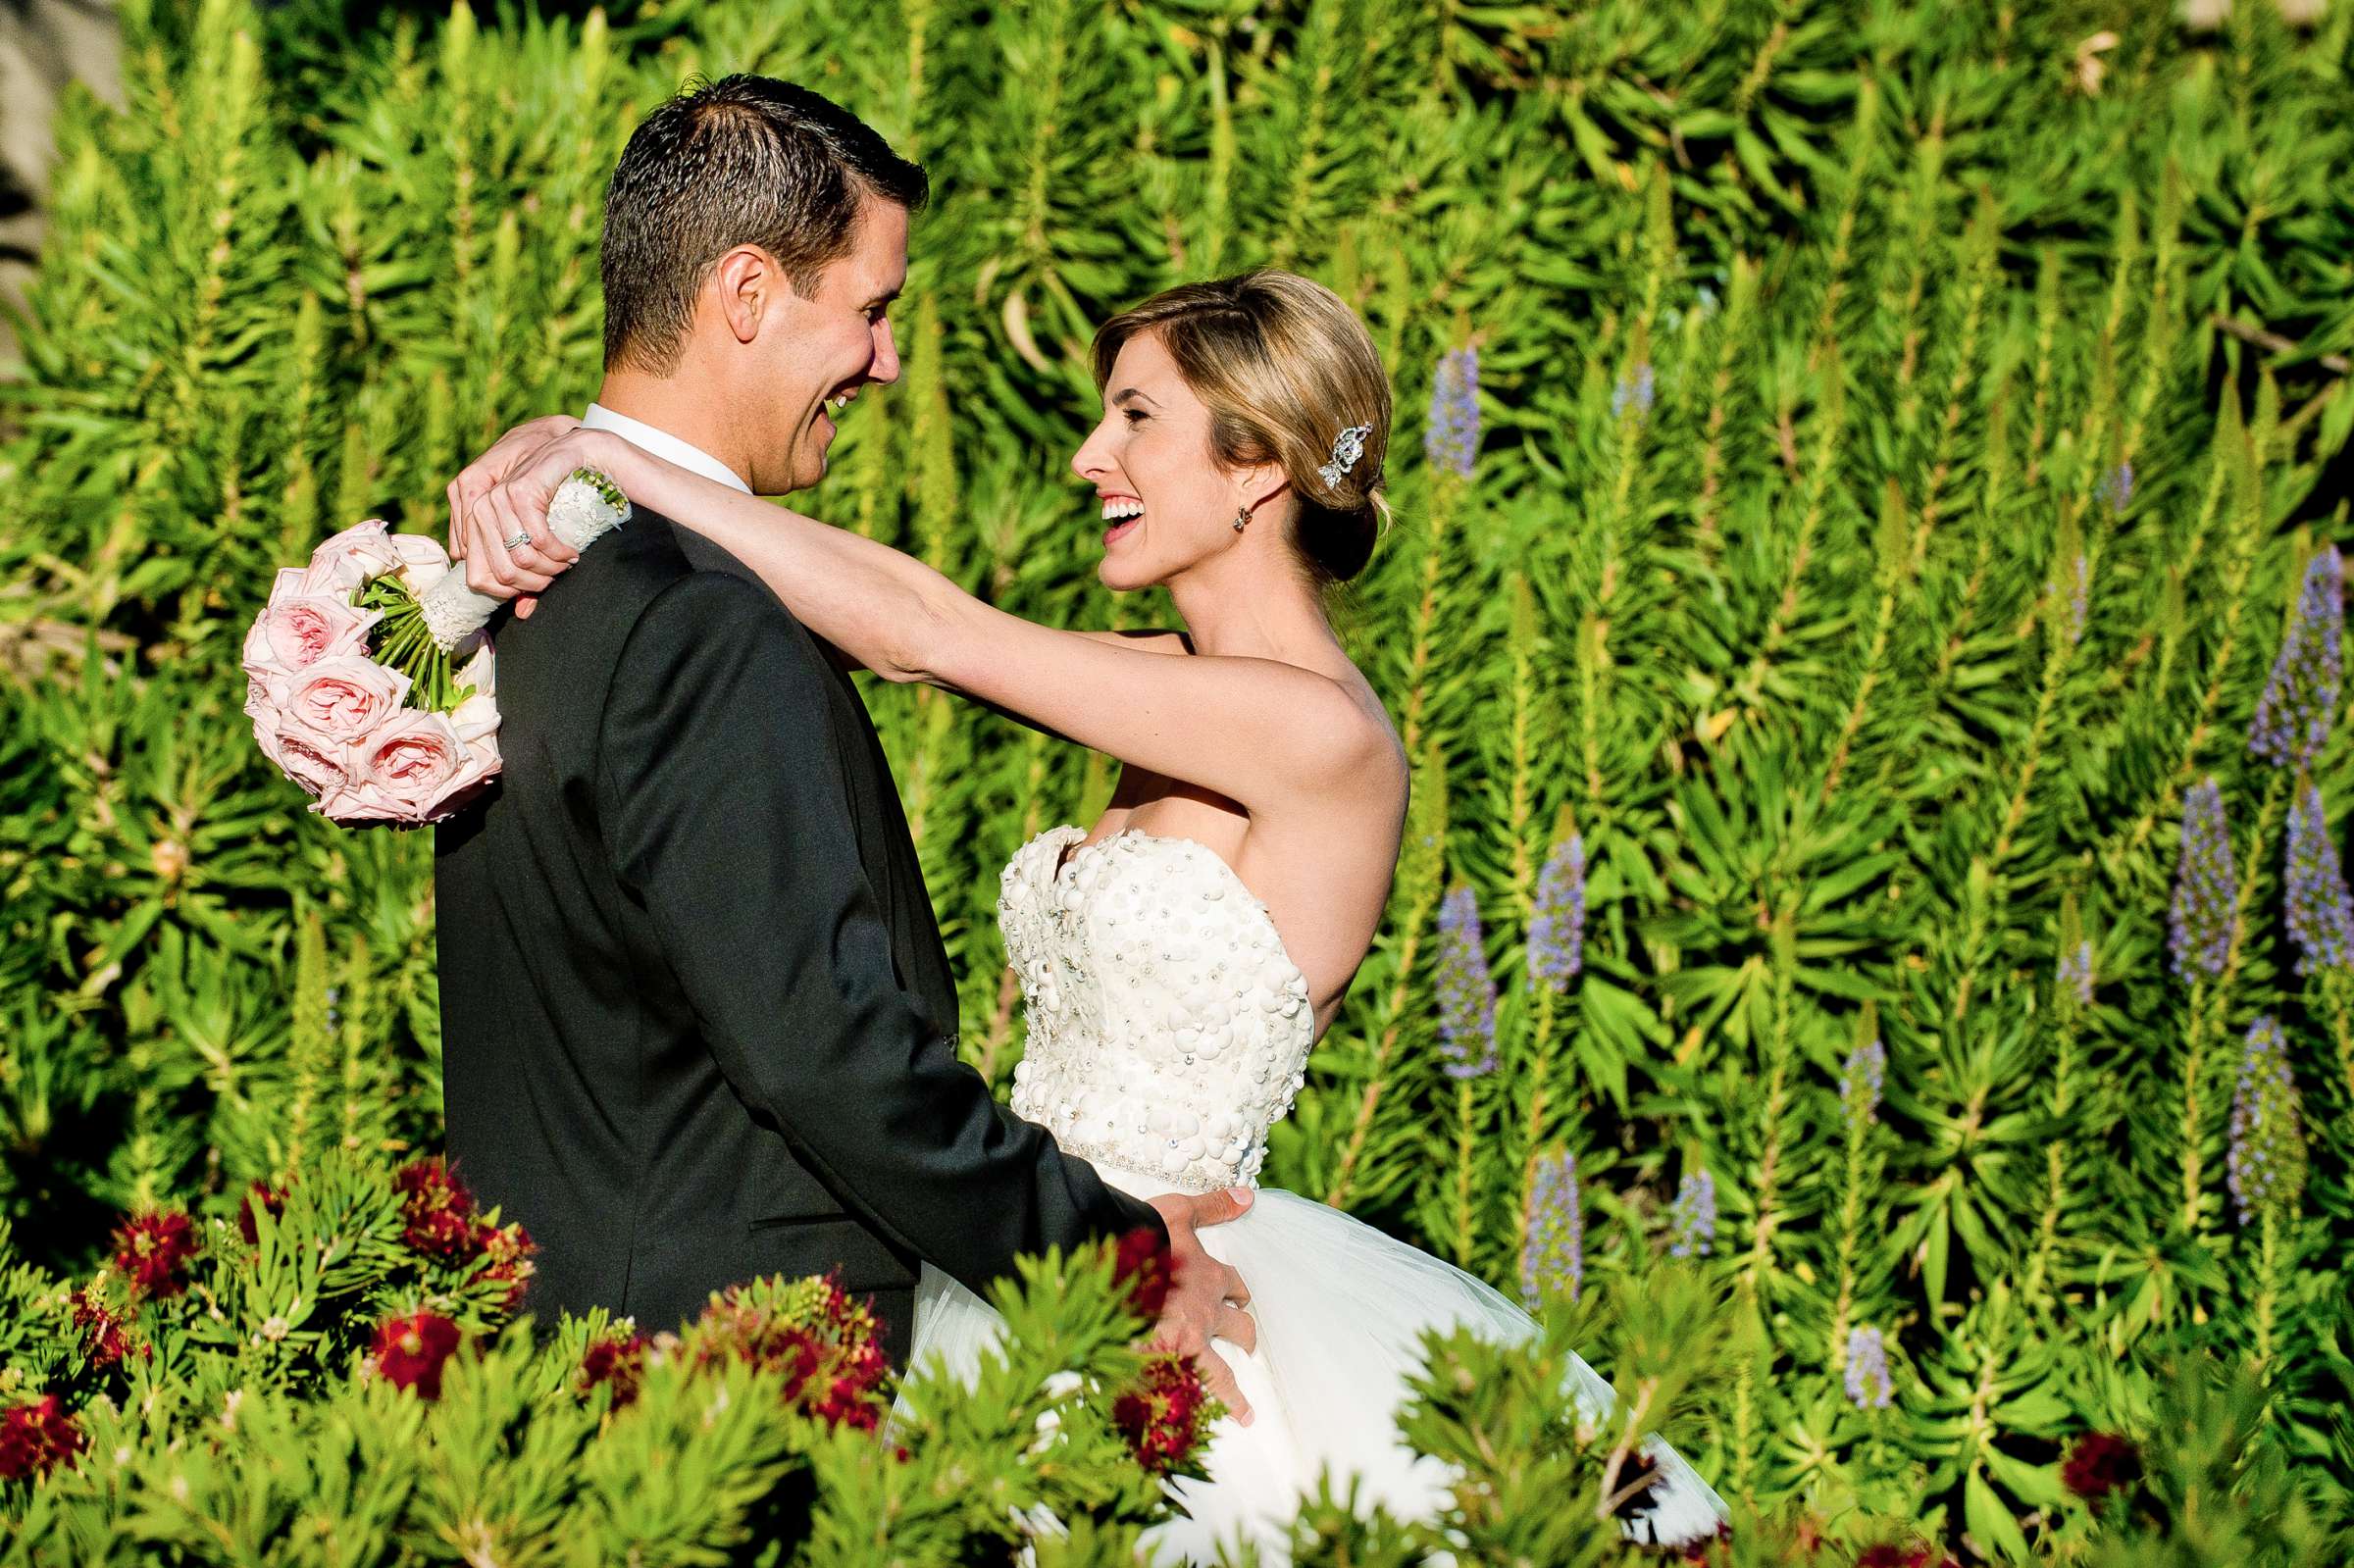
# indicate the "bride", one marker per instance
pixel 1179 958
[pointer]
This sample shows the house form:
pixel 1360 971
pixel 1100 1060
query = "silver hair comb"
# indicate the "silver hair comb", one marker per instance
pixel 1347 449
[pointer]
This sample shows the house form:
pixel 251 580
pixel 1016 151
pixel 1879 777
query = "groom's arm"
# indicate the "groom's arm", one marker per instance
pixel 727 817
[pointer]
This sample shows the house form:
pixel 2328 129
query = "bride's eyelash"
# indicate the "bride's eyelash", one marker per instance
pixel 1133 414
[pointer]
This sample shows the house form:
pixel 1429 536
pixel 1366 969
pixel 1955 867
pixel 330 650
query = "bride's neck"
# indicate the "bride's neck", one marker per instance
pixel 1255 619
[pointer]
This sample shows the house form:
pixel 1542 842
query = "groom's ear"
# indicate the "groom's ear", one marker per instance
pixel 745 285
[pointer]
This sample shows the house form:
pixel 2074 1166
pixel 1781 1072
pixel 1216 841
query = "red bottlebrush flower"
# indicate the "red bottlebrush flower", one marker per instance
pixel 822 1343
pixel 272 1199
pixel 1889 1555
pixel 847 1405
pixel 35 1438
pixel 153 1251
pixel 615 1360
pixel 507 1250
pixel 1143 1264
pixel 438 1212
pixel 1164 1418
pixel 103 1345
pixel 411 1349
pixel 1705 1549
pixel 2099 1464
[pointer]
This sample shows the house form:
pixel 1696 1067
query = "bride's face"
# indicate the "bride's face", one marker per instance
pixel 1167 505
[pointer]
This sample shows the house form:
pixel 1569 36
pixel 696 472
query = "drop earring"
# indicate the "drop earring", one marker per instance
pixel 1241 517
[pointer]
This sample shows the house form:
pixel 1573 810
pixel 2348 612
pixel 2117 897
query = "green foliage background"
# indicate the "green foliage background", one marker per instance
pixel 1789 648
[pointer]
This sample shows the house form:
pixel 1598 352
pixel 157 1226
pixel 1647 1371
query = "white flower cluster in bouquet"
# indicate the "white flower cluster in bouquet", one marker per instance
pixel 368 678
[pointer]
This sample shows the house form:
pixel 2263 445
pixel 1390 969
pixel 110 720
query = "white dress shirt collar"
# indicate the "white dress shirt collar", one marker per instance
pixel 663 446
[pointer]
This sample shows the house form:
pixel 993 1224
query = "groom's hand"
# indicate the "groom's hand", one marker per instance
pixel 1206 1298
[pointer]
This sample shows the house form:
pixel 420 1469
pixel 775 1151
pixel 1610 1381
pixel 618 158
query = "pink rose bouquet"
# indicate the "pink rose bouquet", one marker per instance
pixel 368 678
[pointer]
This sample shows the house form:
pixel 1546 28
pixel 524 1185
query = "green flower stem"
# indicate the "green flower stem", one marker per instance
pixel 2193 1061
pixel 2239 454
pixel 2267 1288
pixel 1420 885
pixel 2054 1154
pixel 1778 1095
pixel 2218 1020
pixel 1851 1224
pixel 1467 1144
pixel 2341 1024
pixel 1532 1131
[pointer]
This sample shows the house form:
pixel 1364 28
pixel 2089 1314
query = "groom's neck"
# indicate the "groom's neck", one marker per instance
pixel 675 407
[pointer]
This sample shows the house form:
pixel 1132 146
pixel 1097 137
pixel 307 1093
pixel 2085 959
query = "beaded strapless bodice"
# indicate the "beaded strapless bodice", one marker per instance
pixel 1168 1028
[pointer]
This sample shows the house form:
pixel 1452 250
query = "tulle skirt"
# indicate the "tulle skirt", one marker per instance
pixel 1341 1309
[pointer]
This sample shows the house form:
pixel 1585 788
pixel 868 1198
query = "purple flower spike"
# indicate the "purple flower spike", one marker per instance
pixel 2075 972
pixel 1467 994
pixel 1861 1083
pixel 1554 1260
pixel 2321 915
pixel 1556 928
pixel 2080 601
pixel 1450 437
pixel 1633 391
pixel 2299 701
pixel 1868 1384
pixel 2267 1161
pixel 2116 487
pixel 1694 1215
pixel 2206 885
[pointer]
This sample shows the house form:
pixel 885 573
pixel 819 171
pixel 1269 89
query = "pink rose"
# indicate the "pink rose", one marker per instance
pixel 422 560
pixel 475 720
pixel 287 584
pixel 339 700
pixel 310 760
pixel 350 559
pixel 414 770
pixel 297 631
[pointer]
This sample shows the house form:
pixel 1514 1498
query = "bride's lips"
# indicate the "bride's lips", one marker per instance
pixel 1122 527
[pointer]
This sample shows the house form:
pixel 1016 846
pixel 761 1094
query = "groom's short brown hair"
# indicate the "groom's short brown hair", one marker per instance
pixel 741 161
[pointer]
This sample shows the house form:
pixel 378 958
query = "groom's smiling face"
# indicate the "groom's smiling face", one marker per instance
pixel 828 345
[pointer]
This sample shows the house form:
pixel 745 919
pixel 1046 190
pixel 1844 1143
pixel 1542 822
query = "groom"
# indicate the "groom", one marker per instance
pixel 697 1021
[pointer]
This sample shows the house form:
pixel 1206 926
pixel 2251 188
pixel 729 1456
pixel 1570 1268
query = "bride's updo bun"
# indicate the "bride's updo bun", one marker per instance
pixel 1284 367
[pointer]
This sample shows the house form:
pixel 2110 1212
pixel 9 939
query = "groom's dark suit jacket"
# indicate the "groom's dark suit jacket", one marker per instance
pixel 698 1025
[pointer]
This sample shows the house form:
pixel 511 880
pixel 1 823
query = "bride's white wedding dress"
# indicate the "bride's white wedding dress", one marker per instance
pixel 1168 1030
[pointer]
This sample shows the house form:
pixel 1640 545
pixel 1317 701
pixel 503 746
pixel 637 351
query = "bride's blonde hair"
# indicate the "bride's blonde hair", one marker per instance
pixel 1284 367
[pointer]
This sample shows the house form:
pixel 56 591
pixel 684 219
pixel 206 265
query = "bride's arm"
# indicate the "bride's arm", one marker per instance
pixel 1260 732
pixel 856 595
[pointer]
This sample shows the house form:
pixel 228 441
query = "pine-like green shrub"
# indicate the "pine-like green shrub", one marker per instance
pixel 1873 466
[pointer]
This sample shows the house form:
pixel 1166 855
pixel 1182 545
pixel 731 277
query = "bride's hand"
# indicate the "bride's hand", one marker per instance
pixel 504 496
pixel 1206 1298
pixel 479 475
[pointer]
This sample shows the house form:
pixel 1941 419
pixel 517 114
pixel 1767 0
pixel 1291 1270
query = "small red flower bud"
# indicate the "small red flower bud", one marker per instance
pixel 411 1349
pixel 35 1438
pixel 103 1345
pixel 153 1251
pixel 437 1212
pixel 1163 1418
pixel 615 1360
pixel 2099 1464
pixel 272 1200
pixel 1143 1266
